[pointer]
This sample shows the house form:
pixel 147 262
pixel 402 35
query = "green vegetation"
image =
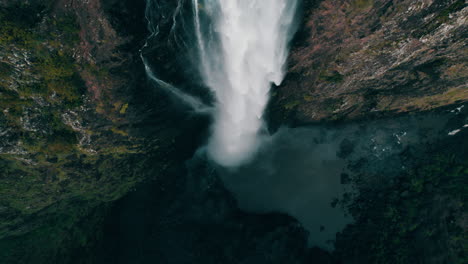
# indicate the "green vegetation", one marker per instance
pixel 56 210
pixel 398 224
pixel 66 229
pixel 442 17
pixel 124 108
pixel 403 214
pixel 333 77
pixel 291 105
pixel 39 82
pixel 55 191
pixel 50 55
pixel 445 13
pixel 362 4
pixel 50 75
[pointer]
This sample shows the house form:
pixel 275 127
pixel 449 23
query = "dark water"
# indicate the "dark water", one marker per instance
pixel 302 172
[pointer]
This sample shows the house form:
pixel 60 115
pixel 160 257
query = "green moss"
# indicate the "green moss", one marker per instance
pixel 99 72
pixel 66 228
pixel 331 104
pixel 69 28
pixel 362 4
pixel 391 225
pixel 123 110
pixel 442 17
pixel 41 188
pixel 291 105
pixel 5 70
pixel 54 73
pixel 445 13
pixel 12 34
pixel 333 77
pixel 56 67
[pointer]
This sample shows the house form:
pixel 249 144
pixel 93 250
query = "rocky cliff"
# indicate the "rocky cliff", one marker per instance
pixel 360 58
pixel 79 126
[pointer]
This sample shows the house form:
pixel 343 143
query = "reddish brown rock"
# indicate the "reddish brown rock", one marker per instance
pixel 355 58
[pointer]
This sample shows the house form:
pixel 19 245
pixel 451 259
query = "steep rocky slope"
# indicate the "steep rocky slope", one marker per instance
pixel 360 58
pixel 79 126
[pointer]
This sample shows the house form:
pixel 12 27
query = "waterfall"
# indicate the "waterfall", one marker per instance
pixel 238 47
pixel 192 101
pixel 243 46
pixel 154 14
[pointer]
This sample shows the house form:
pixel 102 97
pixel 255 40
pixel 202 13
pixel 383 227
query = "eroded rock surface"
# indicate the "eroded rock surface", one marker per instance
pixel 72 93
pixel 356 58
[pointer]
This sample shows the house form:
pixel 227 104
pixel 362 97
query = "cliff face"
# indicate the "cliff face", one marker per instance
pixel 356 58
pixel 73 102
pixel 80 126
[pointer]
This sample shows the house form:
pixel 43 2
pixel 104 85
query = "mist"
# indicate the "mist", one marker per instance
pixel 242 47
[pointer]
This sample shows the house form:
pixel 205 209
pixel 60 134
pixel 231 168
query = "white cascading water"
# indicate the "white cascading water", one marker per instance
pixel 195 103
pixel 243 46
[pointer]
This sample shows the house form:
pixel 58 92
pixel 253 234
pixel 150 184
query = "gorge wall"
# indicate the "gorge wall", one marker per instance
pixel 360 58
pixel 81 127
pixel 77 128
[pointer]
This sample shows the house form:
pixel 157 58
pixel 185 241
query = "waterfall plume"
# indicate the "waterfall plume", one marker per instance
pixel 236 48
pixel 243 47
